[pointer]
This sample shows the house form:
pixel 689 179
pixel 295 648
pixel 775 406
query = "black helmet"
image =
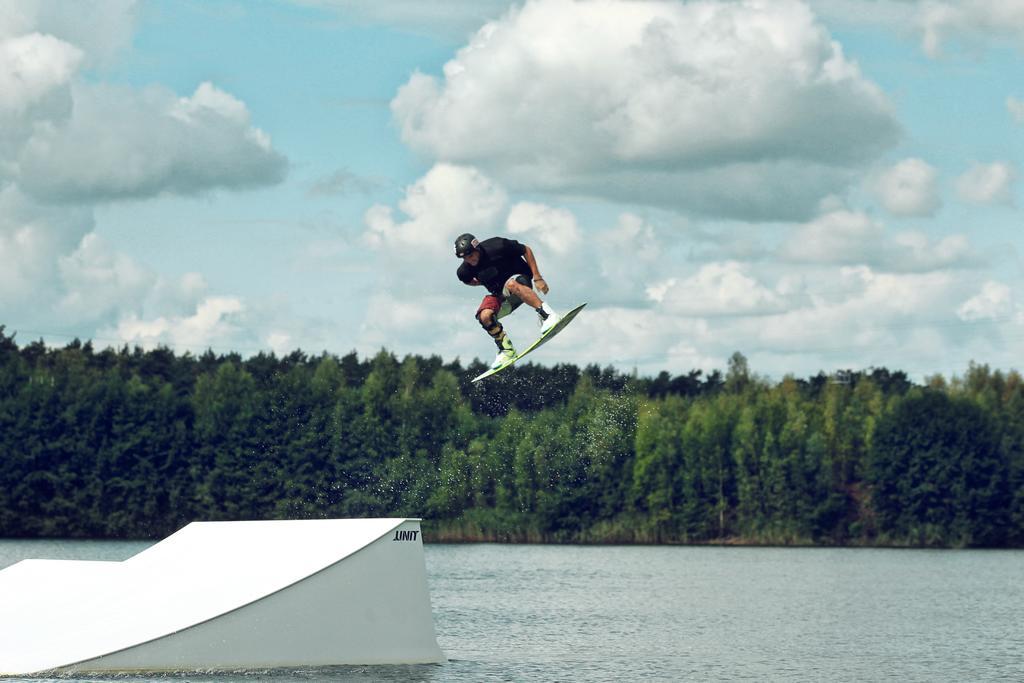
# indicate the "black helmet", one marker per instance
pixel 465 244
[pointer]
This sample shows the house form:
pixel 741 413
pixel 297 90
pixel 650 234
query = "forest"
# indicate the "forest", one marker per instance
pixel 133 443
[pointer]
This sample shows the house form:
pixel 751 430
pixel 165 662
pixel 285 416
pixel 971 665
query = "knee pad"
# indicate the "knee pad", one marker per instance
pixel 492 320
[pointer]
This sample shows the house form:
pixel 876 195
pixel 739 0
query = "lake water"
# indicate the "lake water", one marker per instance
pixel 616 613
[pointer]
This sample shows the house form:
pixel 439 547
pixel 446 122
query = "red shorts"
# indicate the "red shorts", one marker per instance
pixel 502 305
pixel 490 303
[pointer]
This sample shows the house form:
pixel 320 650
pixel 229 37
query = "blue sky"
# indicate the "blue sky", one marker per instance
pixel 819 185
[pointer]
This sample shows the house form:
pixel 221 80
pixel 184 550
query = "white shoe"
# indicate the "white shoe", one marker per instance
pixel 550 321
pixel 504 357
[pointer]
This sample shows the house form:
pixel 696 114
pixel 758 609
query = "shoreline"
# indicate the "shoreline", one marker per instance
pixel 430 538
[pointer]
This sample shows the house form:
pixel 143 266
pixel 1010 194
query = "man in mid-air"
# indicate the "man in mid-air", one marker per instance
pixel 505 267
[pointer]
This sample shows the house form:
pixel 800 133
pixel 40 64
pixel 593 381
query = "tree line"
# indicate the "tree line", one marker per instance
pixel 128 443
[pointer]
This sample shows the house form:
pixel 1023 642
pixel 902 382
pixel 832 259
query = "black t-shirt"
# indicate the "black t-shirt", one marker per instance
pixel 500 259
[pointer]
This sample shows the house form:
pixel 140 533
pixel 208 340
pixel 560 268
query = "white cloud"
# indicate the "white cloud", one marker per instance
pixel 100 28
pixel 35 77
pixel 626 254
pixel 447 201
pixel 228 324
pixel 971 23
pixel 987 183
pixel 612 264
pixel 717 289
pixel 280 342
pixel 890 14
pixel 995 300
pixel 68 142
pixel 63 138
pixel 838 237
pixel 215 319
pixel 858 309
pixel 685 355
pixel 649 340
pixel 98 280
pixel 909 188
pixel 452 199
pixel 806 317
pixel 96 284
pixel 586 97
pixel 393 321
pixel 788 313
pixel 31 67
pixel 56 271
pixel 32 238
pixel 449 19
pixel 122 144
pixel 345 182
pixel 833 318
pixel 1016 109
pixel 914 251
pixel 854 238
pixel 850 317
pixel 554 228
pixel 417 288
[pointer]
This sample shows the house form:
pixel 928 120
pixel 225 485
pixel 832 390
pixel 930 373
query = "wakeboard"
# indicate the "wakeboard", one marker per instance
pixel 559 326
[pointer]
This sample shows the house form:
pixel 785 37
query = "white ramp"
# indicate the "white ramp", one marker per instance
pixel 227 595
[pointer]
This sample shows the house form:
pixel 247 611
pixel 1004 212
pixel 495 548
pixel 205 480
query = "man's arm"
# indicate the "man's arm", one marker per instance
pixel 471 281
pixel 531 260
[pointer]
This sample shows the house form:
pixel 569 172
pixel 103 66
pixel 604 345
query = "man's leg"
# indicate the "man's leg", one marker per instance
pixel 487 315
pixel 519 287
pixel 525 293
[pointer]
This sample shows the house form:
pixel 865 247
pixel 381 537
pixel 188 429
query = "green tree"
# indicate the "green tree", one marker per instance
pixel 658 469
pixel 936 473
pixel 225 403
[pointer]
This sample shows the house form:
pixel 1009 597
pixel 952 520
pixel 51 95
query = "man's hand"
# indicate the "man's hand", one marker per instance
pixel 531 260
